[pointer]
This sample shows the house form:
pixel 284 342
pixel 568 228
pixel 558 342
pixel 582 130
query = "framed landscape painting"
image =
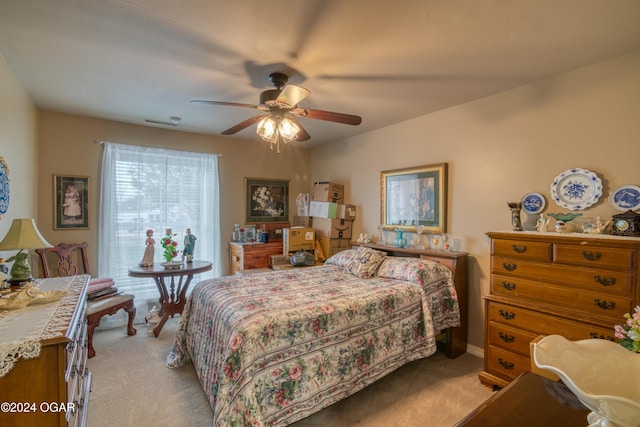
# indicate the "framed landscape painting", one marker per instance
pixel 414 196
pixel 70 202
pixel 267 200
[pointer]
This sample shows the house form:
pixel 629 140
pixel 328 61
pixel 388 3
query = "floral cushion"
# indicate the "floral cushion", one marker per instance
pixel 365 262
pixel 342 258
pixel 403 268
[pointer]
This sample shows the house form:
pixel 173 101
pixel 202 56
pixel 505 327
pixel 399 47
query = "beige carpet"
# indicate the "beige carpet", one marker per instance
pixel 132 387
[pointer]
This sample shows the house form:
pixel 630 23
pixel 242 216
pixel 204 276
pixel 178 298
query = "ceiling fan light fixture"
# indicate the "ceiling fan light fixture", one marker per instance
pixel 273 129
pixel 268 129
pixel 288 130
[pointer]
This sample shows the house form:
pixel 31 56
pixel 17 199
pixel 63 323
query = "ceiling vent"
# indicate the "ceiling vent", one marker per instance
pixel 173 121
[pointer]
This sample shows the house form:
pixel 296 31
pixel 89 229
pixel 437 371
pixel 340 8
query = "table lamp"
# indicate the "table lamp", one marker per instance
pixel 23 234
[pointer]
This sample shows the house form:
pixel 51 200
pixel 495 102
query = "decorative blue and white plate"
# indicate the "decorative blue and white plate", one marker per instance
pixel 625 198
pixel 533 203
pixel 4 187
pixel 576 189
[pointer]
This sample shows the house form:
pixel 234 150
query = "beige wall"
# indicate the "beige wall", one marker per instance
pixel 498 149
pixel 67 148
pixel 18 146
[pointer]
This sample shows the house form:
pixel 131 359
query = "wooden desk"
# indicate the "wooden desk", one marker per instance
pixel 172 297
pixel 529 400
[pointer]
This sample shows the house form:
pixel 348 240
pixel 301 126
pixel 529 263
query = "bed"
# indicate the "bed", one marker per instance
pixel 273 348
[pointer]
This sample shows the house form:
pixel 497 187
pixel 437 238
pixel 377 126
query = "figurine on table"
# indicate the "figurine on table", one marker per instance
pixel 20 270
pixel 147 259
pixel 189 246
pixel 541 225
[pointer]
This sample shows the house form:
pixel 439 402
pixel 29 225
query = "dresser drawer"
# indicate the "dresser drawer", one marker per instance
pixel 506 364
pixel 594 256
pixel 522 249
pixel 541 323
pixel 512 339
pixel 589 278
pixel 596 303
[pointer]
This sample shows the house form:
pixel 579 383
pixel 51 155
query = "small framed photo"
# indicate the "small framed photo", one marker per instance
pixel 267 200
pixel 70 202
pixel 250 234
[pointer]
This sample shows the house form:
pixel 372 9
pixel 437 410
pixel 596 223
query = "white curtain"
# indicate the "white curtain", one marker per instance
pixel 145 188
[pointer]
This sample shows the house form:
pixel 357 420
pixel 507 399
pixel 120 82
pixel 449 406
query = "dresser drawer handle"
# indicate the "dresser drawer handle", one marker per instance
pixel 519 248
pixel 508 315
pixel 592 256
pixel 604 304
pixel 605 281
pixel 506 338
pixel 509 267
pixel 508 286
pixel 505 364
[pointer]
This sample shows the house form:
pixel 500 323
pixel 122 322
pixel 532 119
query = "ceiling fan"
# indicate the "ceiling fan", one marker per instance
pixel 280 106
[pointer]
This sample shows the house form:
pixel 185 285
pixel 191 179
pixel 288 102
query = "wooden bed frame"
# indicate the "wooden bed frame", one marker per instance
pixel 455 338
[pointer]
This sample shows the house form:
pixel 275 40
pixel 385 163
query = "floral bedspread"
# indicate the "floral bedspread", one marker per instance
pixel 273 348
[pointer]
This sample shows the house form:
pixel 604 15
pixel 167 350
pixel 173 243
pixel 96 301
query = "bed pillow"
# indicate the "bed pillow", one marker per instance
pixel 403 268
pixel 342 258
pixel 365 262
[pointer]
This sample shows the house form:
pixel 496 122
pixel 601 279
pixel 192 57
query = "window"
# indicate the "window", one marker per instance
pixel 146 188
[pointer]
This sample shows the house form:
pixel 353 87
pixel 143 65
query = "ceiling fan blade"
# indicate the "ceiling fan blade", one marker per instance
pixel 292 94
pixel 243 125
pixel 329 116
pixel 302 133
pixel 226 104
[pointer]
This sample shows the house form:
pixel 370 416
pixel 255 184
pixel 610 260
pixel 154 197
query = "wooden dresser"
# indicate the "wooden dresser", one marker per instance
pixel 51 389
pixel 575 285
pixel 246 256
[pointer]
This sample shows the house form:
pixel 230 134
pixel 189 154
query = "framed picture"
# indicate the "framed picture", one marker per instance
pixel 250 234
pixel 70 202
pixel 414 196
pixel 267 200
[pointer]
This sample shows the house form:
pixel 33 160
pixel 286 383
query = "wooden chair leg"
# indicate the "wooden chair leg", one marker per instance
pixel 93 320
pixel 91 326
pixel 131 310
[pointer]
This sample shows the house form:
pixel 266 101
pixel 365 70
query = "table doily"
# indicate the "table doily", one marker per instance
pixel 22 331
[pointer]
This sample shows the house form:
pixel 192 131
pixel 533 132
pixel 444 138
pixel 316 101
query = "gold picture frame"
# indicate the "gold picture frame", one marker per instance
pixel 70 202
pixel 414 196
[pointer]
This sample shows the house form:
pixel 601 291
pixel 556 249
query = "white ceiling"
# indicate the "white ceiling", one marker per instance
pixel 387 61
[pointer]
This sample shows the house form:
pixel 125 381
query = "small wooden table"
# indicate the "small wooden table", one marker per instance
pixel 529 400
pixel 172 297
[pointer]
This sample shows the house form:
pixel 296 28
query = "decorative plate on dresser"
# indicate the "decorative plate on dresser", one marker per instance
pixel 625 198
pixel 533 203
pixel 576 189
pixel 4 187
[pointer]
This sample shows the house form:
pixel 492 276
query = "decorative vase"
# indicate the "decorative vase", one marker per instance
pixel 171 265
pixel 400 242
pixel 516 222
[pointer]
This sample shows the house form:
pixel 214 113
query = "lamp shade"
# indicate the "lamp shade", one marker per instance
pixel 23 234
